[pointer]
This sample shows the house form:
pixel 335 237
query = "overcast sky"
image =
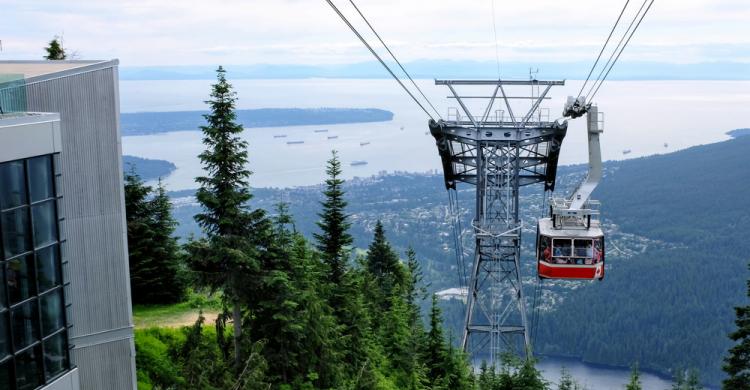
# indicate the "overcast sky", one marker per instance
pixel 181 32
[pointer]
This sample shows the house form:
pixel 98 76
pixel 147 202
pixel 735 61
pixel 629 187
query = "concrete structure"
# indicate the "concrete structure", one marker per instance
pixel 81 131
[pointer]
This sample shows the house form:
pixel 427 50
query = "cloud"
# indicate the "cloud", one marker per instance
pixel 173 32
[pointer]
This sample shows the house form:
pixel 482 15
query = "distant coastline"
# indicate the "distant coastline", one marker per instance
pixel 739 132
pixel 147 169
pixel 146 123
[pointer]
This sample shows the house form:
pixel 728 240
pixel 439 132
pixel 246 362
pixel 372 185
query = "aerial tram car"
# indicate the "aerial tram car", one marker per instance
pixel 570 242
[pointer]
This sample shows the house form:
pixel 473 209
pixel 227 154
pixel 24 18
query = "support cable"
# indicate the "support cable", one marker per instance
pixel 354 30
pixel 394 58
pixel 610 63
pixel 452 209
pixel 623 48
pixel 603 47
pixel 460 239
pixel 494 30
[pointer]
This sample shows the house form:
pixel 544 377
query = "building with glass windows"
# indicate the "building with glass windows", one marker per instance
pixel 65 308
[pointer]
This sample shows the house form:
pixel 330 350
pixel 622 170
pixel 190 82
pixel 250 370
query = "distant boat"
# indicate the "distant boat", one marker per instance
pixel 358 162
pixel 364 143
pixel 294 142
pixel 321 131
pixel 402 127
pixel 279 136
pixel 333 136
pixel 666 145
pixel 426 133
pixel 626 151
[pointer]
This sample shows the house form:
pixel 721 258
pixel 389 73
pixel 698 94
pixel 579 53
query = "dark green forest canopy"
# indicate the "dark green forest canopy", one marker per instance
pixel 667 307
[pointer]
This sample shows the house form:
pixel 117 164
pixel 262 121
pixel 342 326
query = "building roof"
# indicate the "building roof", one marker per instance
pixel 38 69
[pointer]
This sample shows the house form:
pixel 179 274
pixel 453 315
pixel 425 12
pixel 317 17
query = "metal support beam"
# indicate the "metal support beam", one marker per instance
pixel 498 158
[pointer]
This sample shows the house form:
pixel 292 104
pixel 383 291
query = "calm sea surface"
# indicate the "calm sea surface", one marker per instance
pixel 639 116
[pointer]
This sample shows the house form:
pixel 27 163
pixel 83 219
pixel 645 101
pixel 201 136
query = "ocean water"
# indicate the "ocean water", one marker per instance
pixel 640 116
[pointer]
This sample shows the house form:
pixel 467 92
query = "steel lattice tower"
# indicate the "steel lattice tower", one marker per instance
pixel 498 152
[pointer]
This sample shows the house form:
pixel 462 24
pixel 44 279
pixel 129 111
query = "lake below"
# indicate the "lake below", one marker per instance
pixel 598 377
pixel 643 117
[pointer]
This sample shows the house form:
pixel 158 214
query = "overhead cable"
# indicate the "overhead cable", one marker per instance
pixel 603 47
pixel 618 49
pixel 494 29
pixel 394 57
pixel 623 48
pixel 354 30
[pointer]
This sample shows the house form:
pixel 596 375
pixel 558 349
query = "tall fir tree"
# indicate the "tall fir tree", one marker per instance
pixel 55 50
pixel 686 380
pixel 140 236
pixel 635 379
pixel 737 364
pixel 156 272
pixel 334 238
pixel 386 271
pixel 435 353
pixel 166 251
pixel 228 259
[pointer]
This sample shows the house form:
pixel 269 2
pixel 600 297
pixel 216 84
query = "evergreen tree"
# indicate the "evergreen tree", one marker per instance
pixel 457 373
pixel 156 275
pixel 529 377
pixel 170 286
pixel 567 382
pixel 291 316
pixel 140 236
pixel 686 380
pixel 435 353
pixel 228 258
pixel 334 238
pixel 635 379
pixel 55 50
pixel 386 271
pixel 737 364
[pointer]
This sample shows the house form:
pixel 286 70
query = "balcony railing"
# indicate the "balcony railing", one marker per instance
pixel 12 93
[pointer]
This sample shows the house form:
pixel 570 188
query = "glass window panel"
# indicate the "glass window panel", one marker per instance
pixel 583 248
pixel 55 356
pixel 52 312
pixel 4 338
pixel 19 274
pixel 28 369
pixel 25 322
pixel 16 231
pixel 12 184
pixel 45 223
pixel 48 268
pixel 5 379
pixel 40 178
pixel 561 247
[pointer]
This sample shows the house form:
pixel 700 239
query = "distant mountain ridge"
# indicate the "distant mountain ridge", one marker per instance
pixel 429 69
pixel 143 123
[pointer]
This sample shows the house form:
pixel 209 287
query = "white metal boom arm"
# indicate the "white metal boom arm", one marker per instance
pixel 584 190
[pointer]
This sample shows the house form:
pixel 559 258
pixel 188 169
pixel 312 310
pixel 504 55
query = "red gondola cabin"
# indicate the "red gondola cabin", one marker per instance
pixel 569 253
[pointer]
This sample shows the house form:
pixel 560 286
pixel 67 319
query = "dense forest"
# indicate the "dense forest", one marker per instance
pixel 142 123
pixel 676 260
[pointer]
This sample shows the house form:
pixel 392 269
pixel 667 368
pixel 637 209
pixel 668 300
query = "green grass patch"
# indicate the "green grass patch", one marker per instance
pixel 178 314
